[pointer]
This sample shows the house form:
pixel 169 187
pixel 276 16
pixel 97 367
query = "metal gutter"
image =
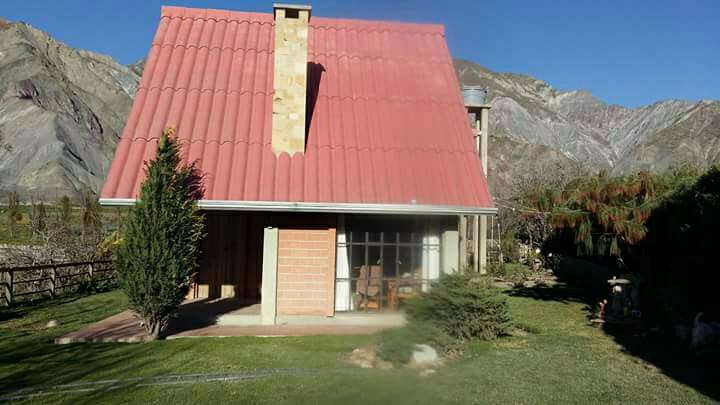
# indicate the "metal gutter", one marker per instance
pixel 221 205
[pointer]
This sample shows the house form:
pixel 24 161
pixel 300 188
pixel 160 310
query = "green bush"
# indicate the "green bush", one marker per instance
pixel 397 345
pixel 463 307
pixel 515 273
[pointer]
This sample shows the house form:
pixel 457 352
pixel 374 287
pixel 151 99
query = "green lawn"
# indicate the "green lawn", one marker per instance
pixel 565 361
pixel 23 232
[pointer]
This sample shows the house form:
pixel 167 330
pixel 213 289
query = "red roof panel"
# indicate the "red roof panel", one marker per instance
pixel 388 125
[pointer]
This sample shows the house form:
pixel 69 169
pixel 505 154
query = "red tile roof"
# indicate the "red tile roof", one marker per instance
pixel 388 125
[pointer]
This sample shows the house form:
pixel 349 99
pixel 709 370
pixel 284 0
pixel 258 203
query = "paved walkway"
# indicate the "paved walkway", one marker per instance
pixel 123 327
pixel 195 320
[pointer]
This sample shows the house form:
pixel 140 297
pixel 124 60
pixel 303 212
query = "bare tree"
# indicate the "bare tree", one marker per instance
pixel 517 220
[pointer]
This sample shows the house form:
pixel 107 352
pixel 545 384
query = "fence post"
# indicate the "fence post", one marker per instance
pixel 9 287
pixel 3 279
pixel 53 275
pixel 90 271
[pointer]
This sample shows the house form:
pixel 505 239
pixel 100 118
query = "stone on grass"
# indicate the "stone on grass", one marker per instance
pixel 427 372
pixel 424 356
pixel 52 323
pixel 365 357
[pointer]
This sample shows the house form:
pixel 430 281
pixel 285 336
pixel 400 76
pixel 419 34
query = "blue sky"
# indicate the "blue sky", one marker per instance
pixel 628 52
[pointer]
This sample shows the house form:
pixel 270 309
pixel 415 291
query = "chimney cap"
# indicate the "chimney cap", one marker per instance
pixel 295 7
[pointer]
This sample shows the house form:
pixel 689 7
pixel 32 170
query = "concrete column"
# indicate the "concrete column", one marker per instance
pixel 268 290
pixel 482 241
pixel 462 251
pixel 484 112
pixel 449 258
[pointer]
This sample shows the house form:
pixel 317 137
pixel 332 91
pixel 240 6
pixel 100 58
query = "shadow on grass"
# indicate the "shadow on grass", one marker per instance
pixel 670 356
pixel 558 292
pixel 588 284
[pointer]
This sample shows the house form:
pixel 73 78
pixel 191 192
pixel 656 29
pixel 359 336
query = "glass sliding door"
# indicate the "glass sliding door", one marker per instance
pixel 384 265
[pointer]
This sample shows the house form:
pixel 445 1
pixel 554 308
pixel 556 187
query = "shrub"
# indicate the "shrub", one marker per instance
pixel 397 345
pixel 464 307
pixel 158 252
pixel 515 273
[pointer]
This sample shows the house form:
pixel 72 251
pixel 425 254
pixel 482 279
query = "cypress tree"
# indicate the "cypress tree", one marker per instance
pixel 65 211
pixel 41 218
pixel 91 222
pixel 13 212
pixel 158 252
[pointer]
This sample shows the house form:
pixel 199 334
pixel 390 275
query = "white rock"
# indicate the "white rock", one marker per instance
pixel 424 355
pixel 52 324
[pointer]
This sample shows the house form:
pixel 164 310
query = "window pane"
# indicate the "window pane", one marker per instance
pixel 357 259
pixel 417 260
pixel 373 255
pixel 389 261
pixel 358 236
pixel 405 265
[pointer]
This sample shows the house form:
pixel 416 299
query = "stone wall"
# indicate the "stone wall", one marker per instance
pixel 290 80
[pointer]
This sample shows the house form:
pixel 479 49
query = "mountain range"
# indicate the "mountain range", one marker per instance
pixel 62 111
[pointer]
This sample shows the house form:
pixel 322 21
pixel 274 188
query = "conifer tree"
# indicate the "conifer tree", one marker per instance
pixel 40 218
pixel 606 215
pixel 158 252
pixel 13 212
pixel 65 211
pixel 91 222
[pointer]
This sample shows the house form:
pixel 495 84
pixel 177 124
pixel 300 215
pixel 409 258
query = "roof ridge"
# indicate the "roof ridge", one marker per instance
pixel 333 147
pixel 339 55
pixel 323 96
pixel 315 22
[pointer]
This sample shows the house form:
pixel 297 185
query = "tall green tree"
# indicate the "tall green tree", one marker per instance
pixel 158 252
pixel 13 212
pixel 91 212
pixel 40 223
pixel 65 211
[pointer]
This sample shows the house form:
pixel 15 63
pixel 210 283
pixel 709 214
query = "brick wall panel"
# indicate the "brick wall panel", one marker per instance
pixel 306 272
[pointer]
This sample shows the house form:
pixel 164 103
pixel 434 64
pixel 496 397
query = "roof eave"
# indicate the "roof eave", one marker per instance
pixel 350 208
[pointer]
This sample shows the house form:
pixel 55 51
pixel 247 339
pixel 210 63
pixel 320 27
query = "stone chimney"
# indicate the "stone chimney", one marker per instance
pixel 290 78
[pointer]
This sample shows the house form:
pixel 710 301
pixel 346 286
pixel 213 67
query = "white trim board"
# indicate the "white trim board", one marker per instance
pixel 350 208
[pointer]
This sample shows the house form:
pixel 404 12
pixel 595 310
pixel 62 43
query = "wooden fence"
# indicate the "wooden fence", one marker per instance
pixel 27 282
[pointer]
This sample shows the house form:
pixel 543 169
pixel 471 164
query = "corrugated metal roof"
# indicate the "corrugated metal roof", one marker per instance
pixel 388 125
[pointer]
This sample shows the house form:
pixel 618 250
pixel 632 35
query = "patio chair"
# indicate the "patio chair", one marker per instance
pixel 369 287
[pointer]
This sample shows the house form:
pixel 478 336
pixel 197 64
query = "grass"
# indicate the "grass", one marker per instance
pixel 566 361
pixel 23 233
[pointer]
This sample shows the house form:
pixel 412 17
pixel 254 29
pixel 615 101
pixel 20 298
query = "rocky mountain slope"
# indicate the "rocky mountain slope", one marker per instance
pixel 61 113
pixel 595 133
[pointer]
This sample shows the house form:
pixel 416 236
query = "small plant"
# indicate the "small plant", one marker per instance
pixel 464 307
